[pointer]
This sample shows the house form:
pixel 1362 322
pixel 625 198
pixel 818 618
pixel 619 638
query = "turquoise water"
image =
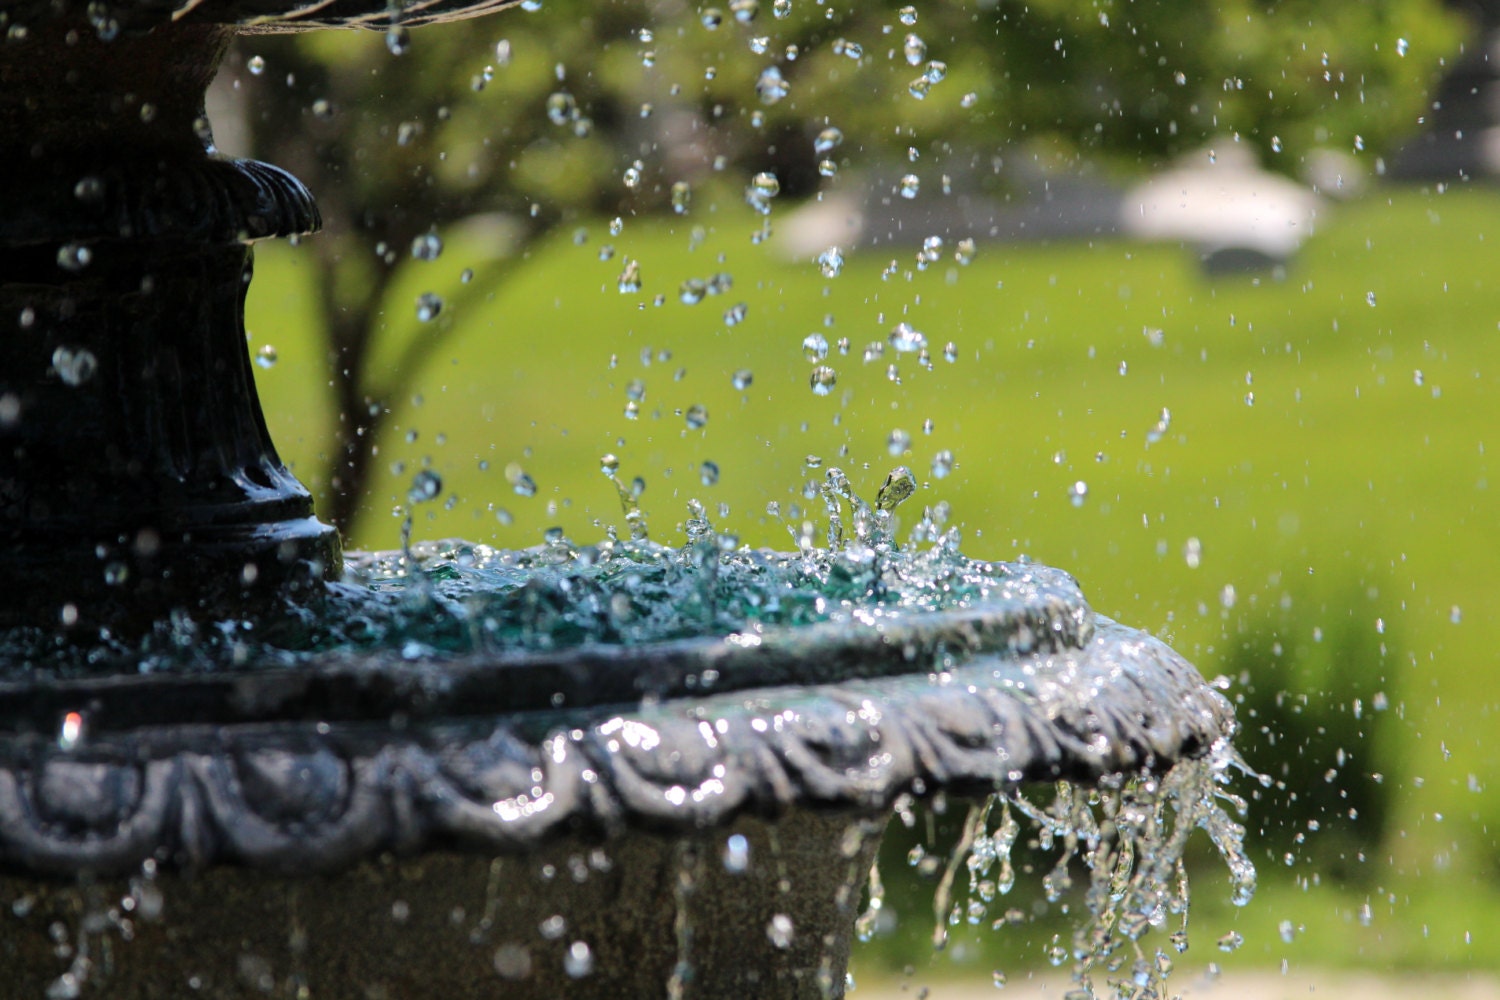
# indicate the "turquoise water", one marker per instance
pixel 436 599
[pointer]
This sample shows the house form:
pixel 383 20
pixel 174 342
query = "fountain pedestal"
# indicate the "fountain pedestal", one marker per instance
pixel 136 472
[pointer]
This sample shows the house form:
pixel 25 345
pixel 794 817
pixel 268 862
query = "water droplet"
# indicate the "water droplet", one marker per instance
pixel 914 49
pixel 691 291
pixel 898 443
pixel 68 986
pixel 72 731
pixel 512 961
pixel 1456 614
pixel 737 854
pixel 1078 493
pixel 1275 143
pixel 936 70
pixel 1159 429
pixel 910 186
pixel 74 257
pixel 90 189
pixel 696 417
pixel 998 979
pixel 905 339
pixel 831 262
pixel 630 278
pixel 1370 299
pixel 266 356
pixel 828 140
pixel 428 246
pixel 744 11
pixel 74 366
pixel 1402 46
pixel 579 961
pixel 519 481
pixel 781 8
pixel 429 304
pixel 708 473
pixel 950 352
pixel 763 187
pixel 780 930
pixel 770 86
pixel 397 40
pixel 711 18
pixel 1359 143
pixel 256 65
pixel 898 487
pixel 682 197
pixel 815 347
pixel 942 464
pixel 742 378
pixel 1231 941
pixel 908 16
pixel 425 485
pixel 1192 553
pixel 116 573
pixel 822 380
pixel 531 6
pixel 562 107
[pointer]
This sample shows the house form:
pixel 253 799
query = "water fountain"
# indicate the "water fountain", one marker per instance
pixel 617 769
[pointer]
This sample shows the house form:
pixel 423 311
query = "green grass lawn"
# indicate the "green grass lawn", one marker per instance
pixel 1345 514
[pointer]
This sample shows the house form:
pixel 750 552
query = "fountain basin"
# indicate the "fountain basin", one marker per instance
pixel 313 803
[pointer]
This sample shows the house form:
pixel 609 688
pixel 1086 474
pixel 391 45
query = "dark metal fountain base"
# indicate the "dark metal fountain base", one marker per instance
pixel 137 476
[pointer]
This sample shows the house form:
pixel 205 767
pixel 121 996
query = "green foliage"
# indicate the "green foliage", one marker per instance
pixel 1314 705
pixel 541 116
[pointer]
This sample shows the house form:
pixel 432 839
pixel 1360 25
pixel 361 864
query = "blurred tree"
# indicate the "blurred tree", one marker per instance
pixel 582 109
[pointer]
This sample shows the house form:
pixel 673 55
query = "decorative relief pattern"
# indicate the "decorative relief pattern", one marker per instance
pixel 306 797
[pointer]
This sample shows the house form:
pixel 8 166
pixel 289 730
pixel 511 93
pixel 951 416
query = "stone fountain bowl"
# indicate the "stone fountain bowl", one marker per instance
pixel 415 821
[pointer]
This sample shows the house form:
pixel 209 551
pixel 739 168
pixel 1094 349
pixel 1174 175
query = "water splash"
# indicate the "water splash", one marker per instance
pixel 1130 833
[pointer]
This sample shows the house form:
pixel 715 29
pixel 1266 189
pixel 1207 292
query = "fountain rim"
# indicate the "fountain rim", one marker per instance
pixel 314 797
pixel 366 685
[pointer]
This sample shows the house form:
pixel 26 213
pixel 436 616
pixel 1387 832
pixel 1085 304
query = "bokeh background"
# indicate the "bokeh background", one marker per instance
pixel 539 251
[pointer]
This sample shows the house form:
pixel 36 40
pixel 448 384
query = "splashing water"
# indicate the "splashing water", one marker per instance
pixel 1130 834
